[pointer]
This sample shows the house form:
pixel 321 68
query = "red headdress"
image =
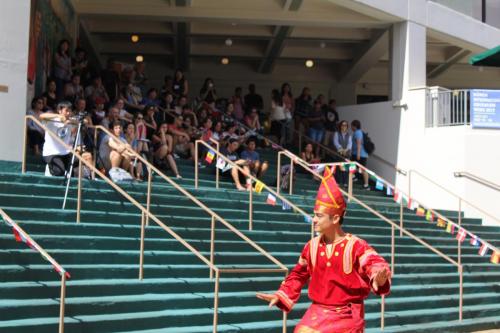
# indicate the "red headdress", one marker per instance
pixel 329 199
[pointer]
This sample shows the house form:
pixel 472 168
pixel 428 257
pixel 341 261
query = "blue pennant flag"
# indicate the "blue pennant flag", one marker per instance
pixel 285 205
pixel 308 219
pixel 379 185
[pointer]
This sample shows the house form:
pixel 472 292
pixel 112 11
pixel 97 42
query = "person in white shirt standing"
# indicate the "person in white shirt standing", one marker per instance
pixel 56 155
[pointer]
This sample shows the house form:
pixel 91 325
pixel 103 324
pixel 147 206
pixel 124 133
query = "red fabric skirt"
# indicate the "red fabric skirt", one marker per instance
pixel 333 319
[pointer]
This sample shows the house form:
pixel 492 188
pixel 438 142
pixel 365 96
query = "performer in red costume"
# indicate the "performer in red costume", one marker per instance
pixel 341 269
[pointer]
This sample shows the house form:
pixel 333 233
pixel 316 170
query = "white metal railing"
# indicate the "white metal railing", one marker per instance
pixel 445 107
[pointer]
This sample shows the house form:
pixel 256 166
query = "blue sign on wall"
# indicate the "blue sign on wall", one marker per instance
pixel 485 108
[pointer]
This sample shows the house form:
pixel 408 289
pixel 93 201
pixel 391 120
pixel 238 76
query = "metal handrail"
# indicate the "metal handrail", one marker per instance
pixel 350 196
pixel 215 217
pixel 332 152
pixel 250 193
pixel 145 213
pixel 477 179
pixel 460 201
pixel 62 272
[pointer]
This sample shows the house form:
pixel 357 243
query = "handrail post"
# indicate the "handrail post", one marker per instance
pixel 278 174
pixel 95 152
pixel 25 142
pixel 79 192
pixel 284 315
pixel 401 217
pixel 216 300
pixel 459 243
pixel 461 292
pixel 148 198
pixel 250 208
pixel 290 187
pixel 349 189
pixel 141 258
pixel 217 169
pixel 382 313
pixel 62 302
pixel 393 250
pixel 212 246
pixel 196 165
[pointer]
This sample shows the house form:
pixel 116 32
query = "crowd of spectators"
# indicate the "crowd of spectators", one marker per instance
pixel 163 124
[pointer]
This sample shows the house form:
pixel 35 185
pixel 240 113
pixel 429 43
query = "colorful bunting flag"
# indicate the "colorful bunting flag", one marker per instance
pixel 285 205
pixel 414 205
pixel 450 228
pixel 429 216
pixel 495 257
pixel 307 219
pixel 420 211
pixel 389 191
pixel 483 250
pixel 21 238
pixel 275 146
pixel 474 240
pixel 210 156
pixel 352 168
pixel 221 164
pixel 379 185
pixel 441 223
pixel 259 186
pixel 461 235
pixel 398 197
pixel 271 199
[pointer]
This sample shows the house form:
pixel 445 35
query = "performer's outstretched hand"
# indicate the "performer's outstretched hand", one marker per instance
pixel 380 278
pixel 271 298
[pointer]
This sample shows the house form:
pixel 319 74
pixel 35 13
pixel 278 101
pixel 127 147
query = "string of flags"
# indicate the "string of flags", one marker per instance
pixel 429 215
pixel 21 237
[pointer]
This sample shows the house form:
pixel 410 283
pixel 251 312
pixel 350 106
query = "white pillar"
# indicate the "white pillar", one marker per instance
pixel 14 40
pixel 408 74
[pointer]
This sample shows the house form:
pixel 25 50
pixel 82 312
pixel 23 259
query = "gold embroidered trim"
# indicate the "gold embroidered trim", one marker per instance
pixel 336 205
pixel 347 262
pixel 365 256
pixel 284 298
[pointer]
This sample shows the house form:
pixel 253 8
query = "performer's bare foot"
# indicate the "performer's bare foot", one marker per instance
pixel 271 298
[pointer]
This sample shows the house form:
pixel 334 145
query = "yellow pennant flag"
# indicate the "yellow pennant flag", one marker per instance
pixel 441 223
pixel 259 186
pixel 448 228
pixel 495 257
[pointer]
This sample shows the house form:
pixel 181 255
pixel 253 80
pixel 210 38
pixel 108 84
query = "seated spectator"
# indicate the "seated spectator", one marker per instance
pixel 188 113
pixel 256 166
pixel 112 117
pixel 149 120
pixel 57 156
pixel 98 113
pixel 167 87
pixel 50 96
pixel 310 157
pixel 230 151
pixel 162 147
pixel 206 131
pixel 151 98
pixel 239 105
pixel 124 115
pixel 253 100
pixel 180 85
pixel 96 90
pixel 342 141
pixel 181 102
pixel 141 134
pixel 113 151
pixel 73 90
pixel 252 121
pixel 80 66
pixel 131 138
pixel 207 92
pixel 217 131
pixel 166 107
pixel 232 133
pixel 132 97
pixel 35 133
pixel 183 146
pixel 228 116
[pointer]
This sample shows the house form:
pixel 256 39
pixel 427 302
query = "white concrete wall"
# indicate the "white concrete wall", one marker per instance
pixel 14 35
pixel 381 121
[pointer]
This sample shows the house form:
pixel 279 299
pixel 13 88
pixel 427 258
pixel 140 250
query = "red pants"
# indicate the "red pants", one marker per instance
pixel 333 319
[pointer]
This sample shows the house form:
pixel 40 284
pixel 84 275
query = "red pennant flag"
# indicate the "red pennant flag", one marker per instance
pixel 483 250
pixel 461 235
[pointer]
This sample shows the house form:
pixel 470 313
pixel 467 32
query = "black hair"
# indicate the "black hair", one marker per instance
pixel 59 46
pixel 114 124
pixel 286 84
pixel 356 124
pixel 35 100
pixel 232 140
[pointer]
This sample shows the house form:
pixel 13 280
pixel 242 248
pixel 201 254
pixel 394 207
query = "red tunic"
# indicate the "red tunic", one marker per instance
pixel 339 281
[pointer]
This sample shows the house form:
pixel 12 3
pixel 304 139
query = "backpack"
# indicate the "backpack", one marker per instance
pixel 368 144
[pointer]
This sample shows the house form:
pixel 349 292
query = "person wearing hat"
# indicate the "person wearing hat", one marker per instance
pixel 341 270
